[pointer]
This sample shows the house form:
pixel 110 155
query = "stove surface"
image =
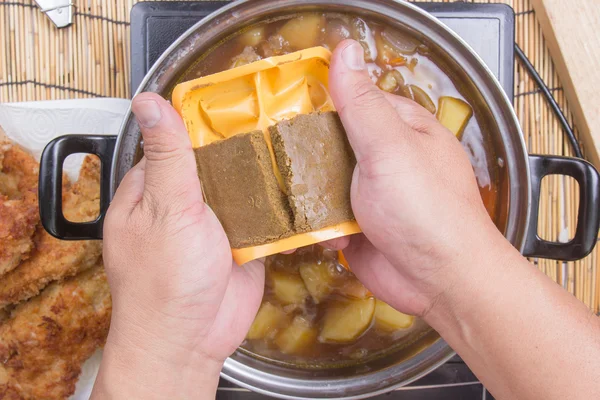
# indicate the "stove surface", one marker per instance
pixel 487 28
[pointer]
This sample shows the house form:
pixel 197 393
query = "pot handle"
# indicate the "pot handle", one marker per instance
pixel 588 218
pixel 50 185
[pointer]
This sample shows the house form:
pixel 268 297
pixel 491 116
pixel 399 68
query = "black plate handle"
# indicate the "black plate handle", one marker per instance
pixel 50 187
pixel 588 218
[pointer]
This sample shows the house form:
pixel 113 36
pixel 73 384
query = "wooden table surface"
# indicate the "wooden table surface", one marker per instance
pixel 572 33
pixel 91 59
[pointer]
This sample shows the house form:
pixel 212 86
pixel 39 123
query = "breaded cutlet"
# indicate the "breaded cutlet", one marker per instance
pixel 45 340
pixel 54 259
pixel 18 205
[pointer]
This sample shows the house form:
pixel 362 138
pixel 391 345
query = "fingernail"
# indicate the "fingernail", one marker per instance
pixel 353 57
pixel 147 113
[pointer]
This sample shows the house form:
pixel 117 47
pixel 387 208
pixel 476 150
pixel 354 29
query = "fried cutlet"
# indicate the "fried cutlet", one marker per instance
pixel 18 205
pixel 82 200
pixel 45 340
pixel 54 259
pixel 18 219
pixel 18 170
pixel 4 314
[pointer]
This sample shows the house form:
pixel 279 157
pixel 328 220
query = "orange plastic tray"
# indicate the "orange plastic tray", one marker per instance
pixel 256 96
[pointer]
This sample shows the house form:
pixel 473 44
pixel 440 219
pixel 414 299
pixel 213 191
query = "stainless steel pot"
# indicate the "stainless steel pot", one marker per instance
pixel 520 178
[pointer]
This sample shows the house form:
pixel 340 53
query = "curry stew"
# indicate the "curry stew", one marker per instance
pixel 315 311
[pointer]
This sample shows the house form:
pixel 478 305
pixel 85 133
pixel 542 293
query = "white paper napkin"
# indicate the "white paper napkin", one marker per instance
pixel 34 124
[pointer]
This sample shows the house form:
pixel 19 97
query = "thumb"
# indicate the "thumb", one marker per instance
pixel 170 170
pixel 370 120
pixel 131 189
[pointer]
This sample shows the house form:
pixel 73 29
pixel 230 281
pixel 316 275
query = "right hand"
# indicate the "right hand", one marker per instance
pixel 414 193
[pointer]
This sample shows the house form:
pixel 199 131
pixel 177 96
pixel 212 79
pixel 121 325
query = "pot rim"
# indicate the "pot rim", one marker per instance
pixel 440 347
pixel 438 352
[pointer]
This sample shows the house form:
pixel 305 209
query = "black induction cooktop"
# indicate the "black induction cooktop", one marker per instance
pixel 488 28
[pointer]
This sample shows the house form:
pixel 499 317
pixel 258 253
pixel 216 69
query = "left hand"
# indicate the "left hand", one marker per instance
pixel 180 304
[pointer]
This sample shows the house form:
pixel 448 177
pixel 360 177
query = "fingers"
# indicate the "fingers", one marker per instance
pixel 333 244
pixel 413 114
pixel 239 306
pixel 130 191
pixel 336 244
pixel 255 270
pixel 370 266
pixel 170 170
pixel 362 255
pixel 371 121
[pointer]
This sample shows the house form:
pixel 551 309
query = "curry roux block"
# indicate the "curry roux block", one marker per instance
pixel 316 163
pixel 240 186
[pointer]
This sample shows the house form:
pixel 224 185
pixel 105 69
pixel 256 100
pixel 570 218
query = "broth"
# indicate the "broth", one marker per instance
pixel 308 294
pixel 337 289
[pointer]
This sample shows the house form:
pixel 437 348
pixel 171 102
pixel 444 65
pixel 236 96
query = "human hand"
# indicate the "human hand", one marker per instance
pixel 180 304
pixel 414 192
pixel 430 249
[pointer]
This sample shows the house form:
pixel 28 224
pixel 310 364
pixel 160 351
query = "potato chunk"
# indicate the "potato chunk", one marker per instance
pixel 347 321
pixel 288 288
pixel 454 114
pixel 268 319
pixel 297 337
pixel 390 319
pixel 303 31
pixel 318 279
pixel 253 36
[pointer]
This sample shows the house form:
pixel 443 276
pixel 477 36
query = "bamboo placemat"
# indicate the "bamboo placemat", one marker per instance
pixel 91 59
